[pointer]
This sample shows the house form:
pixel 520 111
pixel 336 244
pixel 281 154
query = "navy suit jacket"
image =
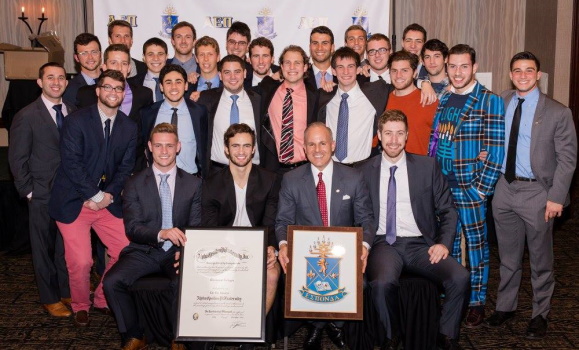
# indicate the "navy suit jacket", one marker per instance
pixel 349 204
pixel 430 197
pixel 72 88
pixel 142 213
pixel 261 198
pixel 82 149
pixel 210 99
pixel 198 115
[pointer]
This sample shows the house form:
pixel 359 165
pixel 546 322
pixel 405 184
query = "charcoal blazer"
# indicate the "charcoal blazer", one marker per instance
pixel 84 160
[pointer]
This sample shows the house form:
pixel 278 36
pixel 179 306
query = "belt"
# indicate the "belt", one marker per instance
pixel 292 165
pixel 526 179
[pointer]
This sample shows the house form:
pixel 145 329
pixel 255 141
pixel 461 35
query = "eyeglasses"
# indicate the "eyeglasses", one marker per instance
pixel 92 53
pixel 233 42
pixel 109 88
pixel 381 51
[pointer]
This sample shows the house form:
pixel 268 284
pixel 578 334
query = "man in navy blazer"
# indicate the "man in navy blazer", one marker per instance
pixel 87 53
pixel 347 203
pixel 97 149
pixel 190 117
pixel 154 242
pixel 418 234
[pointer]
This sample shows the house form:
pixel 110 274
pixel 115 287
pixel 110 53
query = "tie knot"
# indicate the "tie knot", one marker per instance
pixel 289 90
pixel 320 175
pixel 174 109
pixel 108 123
pixel 57 107
pixel 234 98
pixel 521 100
pixel 164 177
pixel 393 170
pixel 156 79
pixel 344 96
pixel 322 73
pixel 380 77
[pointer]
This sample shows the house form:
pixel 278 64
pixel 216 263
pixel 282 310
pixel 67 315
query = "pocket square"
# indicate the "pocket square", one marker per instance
pixel 346 197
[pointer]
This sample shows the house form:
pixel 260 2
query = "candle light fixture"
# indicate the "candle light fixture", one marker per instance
pixel 42 19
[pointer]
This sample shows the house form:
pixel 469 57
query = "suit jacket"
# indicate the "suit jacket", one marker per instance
pixel 72 88
pixel 349 204
pixel 376 92
pixel 34 153
pixel 142 97
pixel 430 197
pixel 82 148
pixel 481 127
pixel 210 99
pixel 248 81
pixel 142 212
pixel 553 146
pixel 141 71
pixel 219 203
pixel 198 115
pixel 268 156
pixel 310 79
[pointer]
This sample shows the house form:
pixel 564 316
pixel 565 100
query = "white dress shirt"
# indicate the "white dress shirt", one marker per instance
pixel 170 181
pixel 241 217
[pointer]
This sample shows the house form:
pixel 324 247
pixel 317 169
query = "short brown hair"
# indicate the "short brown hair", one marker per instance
pixel 392 115
pixel 49 64
pixel 355 27
pixel 113 74
pixel 461 49
pixel 403 55
pixel 183 24
pixel 207 41
pixel 238 128
pixel 345 52
pixel 379 36
pixel 294 48
pixel 119 23
pixel 116 47
pixel 167 128
pixel 261 41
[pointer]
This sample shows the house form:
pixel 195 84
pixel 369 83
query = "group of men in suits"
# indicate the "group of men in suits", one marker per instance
pixel 337 139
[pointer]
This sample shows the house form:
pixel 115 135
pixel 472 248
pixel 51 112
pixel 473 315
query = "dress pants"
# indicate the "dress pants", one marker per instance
pixel 519 213
pixel 385 264
pixel 136 261
pixel 78 252
pixel 47 254
pixel 472 222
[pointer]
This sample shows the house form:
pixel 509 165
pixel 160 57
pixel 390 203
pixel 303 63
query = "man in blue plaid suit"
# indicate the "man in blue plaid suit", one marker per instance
pixel 470 120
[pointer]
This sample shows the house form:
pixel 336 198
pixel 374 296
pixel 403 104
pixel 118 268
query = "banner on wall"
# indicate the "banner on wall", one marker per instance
pixel 284 22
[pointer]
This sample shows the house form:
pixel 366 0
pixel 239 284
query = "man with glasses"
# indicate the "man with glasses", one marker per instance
pixel 238 39
pixel 378 50
pixel 87 48
pixel 97 148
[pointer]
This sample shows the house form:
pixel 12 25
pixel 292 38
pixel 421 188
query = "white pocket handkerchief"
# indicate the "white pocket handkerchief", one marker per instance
pixel 346 197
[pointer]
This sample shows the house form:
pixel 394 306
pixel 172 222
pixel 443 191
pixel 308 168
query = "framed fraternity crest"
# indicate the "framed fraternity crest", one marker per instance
pixel 324 275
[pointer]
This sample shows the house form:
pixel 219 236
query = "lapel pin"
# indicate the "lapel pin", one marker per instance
pixel 338 191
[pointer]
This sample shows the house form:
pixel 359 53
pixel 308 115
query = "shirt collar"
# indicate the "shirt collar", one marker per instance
pixel 172 172
pixel 300 87
pixel 400 163
pixel 316 70
pixel 165 106
pixel 104 116
pixel 228 94
pixel 355 91
pixel 466 92
pixel 328 170
pixel 532 96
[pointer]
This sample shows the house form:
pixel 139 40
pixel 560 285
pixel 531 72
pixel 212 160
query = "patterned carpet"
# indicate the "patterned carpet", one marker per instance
pixel 24 324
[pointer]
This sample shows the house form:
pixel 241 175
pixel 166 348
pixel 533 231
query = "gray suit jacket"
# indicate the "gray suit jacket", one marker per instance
pixel 430 197
pixel 553 146
pixel 34 153
pixel 349 205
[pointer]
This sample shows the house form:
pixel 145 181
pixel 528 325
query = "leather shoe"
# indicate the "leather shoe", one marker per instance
pixel 537 328
pixel 135 344
pixel 66 301
pixel 57 309
pixel 474 317
pixel 499 318
pixel 81 318
pixel 313 340
pixel 446 343
pixel 336 335
pixel 103 310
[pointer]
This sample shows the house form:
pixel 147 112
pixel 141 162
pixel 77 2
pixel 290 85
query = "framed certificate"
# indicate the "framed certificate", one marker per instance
pixel 222 285
pixel 324 275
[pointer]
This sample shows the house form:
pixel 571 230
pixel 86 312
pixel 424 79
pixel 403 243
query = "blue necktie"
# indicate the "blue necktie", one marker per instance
pixel 342 132
pixel 158 93
pixel 166 207
pixel 59 115
pixel 391 208
pixel 234 114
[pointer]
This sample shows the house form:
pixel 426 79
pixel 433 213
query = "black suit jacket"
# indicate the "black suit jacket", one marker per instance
pixel 141 70
pixel 267 150
pixel 198 115
pixel 310 79
pixel 248 81
pixel 84 159
pixel 34 153
pixel 142 213
pixel 210 99
pixel 219 205
pixel 72 88
pixel 430 197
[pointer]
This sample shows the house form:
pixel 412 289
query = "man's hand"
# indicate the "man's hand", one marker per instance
pixel 365 70
pixel 90 205
pixel 364 258
pixel 328 86
pixel 437 252
pixel 283 258
pixel 482 156
pixel 427 94
pixel 106 201
pixel 276 75
pixel 553 209
pixel 195 96
pixel 176 236
pixel 192 77
pixel 271 258
pixel 176 264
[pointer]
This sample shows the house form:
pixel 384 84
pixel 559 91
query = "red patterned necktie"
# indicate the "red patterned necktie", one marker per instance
pixel 286 147
pixel 322 203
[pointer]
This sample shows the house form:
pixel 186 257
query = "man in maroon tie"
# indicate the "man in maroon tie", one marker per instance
pixel 323 193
